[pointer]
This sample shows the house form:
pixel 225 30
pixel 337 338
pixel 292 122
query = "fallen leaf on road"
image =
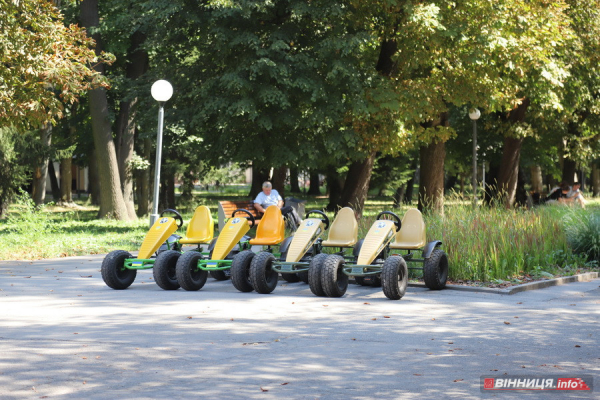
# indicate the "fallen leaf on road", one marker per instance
pixel 385 316
pixel 577 345
pixel 417 374
pixel 373 319
pixel 85 276
pixel 189 317
pixel 506 323
pixel 264 390
pixel 458 380
pixel 284 383
pixel 366 303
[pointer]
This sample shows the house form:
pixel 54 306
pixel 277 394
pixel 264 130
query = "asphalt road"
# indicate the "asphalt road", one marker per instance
pixel 65 335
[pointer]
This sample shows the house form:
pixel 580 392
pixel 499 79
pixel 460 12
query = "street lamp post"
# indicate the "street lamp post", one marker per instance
pixel 474 114
pixel 161 91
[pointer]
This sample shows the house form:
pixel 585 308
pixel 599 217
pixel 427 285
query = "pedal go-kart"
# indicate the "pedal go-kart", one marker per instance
pixel 269 232
pixel 343 234
pixel 200 231
pixel 296 255
pixel 377 257
pixel 193 267
pixel 119 267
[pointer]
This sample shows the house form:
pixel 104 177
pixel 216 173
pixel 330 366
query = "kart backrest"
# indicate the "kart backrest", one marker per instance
pixel 343 232
pixel 233 231
pixel 304 237
pixel 412 232
pixel 162 228
pixel 271 228
pixel 201 228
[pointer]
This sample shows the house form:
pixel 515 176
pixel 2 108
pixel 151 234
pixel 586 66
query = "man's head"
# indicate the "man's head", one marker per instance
pixel 576 185
pixel 266 187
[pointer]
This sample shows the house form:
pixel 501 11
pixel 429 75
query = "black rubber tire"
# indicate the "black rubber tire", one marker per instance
pixel 262 276
pixel 220 275
pixel 189 276
pixel 333 279
pixel 291 278
pixel 240 271
pixel 394 277
pixel 113 273
pixel 315 270
pixel 164 270
pixel 303 276
pixel 435 270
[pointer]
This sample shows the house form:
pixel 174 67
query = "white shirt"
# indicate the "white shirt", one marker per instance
pixel 272 199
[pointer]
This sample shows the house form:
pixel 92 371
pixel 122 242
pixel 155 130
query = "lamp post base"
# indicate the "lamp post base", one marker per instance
pixel 153 218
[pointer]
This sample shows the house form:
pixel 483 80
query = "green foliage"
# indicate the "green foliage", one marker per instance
pixel 13 172
pixel 583 233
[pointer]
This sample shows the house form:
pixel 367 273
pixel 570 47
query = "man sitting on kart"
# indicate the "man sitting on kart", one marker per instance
pixel 271 197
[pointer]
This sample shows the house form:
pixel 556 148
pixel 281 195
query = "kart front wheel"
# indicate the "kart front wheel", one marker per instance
pixel 240 271
pixel 189 276
pixel 164 270
pixel 315 271
pixel 333 278
pixel 394 277
pixel 114 273
pixel 262 275
pixel 435 270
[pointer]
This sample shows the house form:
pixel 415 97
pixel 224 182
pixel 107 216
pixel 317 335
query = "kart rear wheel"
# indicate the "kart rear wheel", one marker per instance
pixel 394 277
pixel 435 270
pixel 114 274
pixel 189 276
pixel 164 270
pixel 360 280
pixel 303 276
pixel 262 276
pixel 291 278
pixel 219 275
pixel 315 270
pixel 240 271
pixel 333 278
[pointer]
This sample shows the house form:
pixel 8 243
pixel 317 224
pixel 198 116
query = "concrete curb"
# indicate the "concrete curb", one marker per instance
pixel 585 277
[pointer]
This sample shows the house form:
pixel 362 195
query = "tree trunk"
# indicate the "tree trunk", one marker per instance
pixel 314 188
pixel 167 190
pixel 294 187
pixel 136 67
pixel 93 180
pixel 410 185
pixel 278 181
pixel 508 173
pixel 568 171
pixel 536 179
pixel 356 186
pixel 259 176
pixel 41 170
pixel 596 178
pixel 112 204
pixel 66 178
pixel 431 188
pixel 143 183
pixel 334 188
pixel 398 195
pixel 53 181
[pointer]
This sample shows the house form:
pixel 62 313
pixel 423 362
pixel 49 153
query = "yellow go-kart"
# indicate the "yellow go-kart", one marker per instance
pixel 193 267
pixel 119 267
pixel 297 253
pixel 381 255
pixel 200 232
pixel 269 232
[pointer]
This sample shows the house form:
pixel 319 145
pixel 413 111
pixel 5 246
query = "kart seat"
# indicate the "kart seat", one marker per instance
pixel 411 235
pixel 343 232
pixel 271 228
pixel 201 228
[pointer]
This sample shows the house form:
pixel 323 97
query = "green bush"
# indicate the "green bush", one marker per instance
pixel 583 233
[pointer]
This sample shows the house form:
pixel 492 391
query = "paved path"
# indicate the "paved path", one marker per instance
pixel 65 335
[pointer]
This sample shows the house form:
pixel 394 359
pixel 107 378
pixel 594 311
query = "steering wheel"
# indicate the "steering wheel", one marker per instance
pixel 177 216
pixel 250 216
pixel 394 216
pixel 325 219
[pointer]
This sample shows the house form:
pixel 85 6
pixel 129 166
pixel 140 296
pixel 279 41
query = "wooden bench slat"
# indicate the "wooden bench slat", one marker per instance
pixel 227 207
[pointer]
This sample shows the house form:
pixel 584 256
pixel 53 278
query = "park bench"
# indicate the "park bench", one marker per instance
pixel 226 207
